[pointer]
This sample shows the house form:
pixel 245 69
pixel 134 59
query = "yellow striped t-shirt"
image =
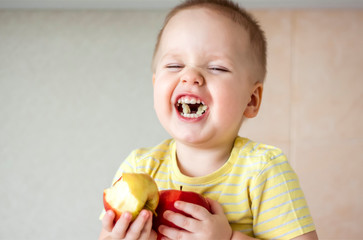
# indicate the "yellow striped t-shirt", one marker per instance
pixel 258 189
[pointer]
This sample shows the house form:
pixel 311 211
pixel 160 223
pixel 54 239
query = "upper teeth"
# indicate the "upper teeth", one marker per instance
pixel 190 100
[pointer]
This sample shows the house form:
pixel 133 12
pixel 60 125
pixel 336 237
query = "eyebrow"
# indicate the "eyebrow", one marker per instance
pixel 170 55
pixel 214 57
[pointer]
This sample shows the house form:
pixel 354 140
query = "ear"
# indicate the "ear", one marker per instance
pixel 255 101
pixel 153 79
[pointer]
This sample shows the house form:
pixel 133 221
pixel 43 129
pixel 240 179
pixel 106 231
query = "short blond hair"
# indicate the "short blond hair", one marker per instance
pixel 237 14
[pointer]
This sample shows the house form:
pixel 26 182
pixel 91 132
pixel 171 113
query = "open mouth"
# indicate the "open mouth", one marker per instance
pixel 191 107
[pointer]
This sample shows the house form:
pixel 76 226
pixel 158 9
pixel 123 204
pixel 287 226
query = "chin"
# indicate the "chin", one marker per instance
pixel 193 139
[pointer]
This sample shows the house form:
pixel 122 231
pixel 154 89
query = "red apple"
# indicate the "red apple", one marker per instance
pixel 132 192
pixel 167 198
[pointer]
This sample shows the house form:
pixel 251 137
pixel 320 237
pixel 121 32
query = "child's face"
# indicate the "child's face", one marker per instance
pixel 203 57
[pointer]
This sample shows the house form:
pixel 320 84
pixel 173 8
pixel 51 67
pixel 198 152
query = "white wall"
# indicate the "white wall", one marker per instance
pixel 75 99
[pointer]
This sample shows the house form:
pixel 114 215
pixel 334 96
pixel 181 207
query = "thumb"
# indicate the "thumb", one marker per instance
pixel 215 206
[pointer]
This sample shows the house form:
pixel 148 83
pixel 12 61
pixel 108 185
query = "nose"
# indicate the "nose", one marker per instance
pixel 193 77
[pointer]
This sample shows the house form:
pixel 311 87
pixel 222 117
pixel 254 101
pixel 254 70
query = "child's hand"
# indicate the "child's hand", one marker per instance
pixel 123 229
pixel 203 225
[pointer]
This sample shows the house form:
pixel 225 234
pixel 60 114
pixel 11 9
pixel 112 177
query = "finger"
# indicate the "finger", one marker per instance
pixel 216 207
pixel 120 228
pixel 194 210
pixel 146 231
pixel 173 233
pixel 107 220
pixel 182 221
pixel 153 235
pixel 138 225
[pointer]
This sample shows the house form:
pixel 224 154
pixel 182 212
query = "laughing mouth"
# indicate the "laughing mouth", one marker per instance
pixel 191 107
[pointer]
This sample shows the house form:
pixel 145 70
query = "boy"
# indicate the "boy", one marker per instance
pixel 209 65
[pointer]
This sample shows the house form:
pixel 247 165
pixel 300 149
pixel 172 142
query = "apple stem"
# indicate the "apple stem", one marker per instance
pixel 181 188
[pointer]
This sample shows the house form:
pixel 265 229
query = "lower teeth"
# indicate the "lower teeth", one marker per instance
pixel 191 115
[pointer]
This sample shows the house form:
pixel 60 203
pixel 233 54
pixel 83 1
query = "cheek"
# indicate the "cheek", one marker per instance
pixel 162 95
pixel 158 98
pixel 231 102
pixel 227 97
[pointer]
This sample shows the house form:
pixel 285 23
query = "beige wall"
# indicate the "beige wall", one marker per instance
pixel 313 109
pixel 76 97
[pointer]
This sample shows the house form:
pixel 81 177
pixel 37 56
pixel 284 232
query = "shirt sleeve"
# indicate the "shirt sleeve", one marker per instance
pixel 278 204
pixel 126 166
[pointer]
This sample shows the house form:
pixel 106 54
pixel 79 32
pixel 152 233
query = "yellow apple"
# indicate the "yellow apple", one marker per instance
pixel 132 192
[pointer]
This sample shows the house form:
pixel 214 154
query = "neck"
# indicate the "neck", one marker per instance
pixel 196 162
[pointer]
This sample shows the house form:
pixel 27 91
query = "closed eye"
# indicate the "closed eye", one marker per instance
pixel 174 66
pixel 218 69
